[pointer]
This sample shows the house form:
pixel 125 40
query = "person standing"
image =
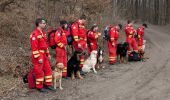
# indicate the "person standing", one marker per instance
pixel 79 39
pixel 130 32
pixel 40 57
pixel 112 42
pixel 61 44
pixel 92 37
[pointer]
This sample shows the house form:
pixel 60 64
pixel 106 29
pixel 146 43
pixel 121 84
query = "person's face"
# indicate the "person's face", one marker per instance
pixel 118 28
pixel 65 26
pixel 83 21
pixel 42 24
pixel 95 29
pixel 130 24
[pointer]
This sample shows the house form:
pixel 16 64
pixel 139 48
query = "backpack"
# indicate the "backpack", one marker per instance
pixel 69 37
pixel 106 33
pixel 134 56
pixel 51 41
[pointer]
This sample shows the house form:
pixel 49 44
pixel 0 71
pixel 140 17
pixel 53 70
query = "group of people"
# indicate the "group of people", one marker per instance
pixel 81 40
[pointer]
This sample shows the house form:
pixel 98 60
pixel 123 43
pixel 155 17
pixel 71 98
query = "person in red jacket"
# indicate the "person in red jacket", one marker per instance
pixel 79 35
pixel 40 57
pixel 61 43
pixel 112 42
pixel 140 35
pixel 92 37
pixel 130 32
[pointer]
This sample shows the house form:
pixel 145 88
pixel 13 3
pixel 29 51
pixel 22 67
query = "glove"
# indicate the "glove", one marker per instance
pixel 113 44
pixel 49 56
pixel 40 61
pixel 99 34
pixel 79 46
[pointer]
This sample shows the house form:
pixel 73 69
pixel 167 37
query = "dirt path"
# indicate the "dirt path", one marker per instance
pixel 133 81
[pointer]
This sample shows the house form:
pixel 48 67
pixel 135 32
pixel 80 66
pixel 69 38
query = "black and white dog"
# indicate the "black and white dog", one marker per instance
pixel 100 58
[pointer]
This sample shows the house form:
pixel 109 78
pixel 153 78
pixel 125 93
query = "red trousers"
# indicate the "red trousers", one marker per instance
pixel 132 44
pixel 112 52
pixel 140 43
pixel 42 71
pixel 61 57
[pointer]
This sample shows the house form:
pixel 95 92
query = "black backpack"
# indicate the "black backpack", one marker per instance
pixel 134 56
pixel 106 33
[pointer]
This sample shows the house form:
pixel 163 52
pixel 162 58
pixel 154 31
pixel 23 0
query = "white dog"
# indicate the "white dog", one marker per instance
pixel 90 62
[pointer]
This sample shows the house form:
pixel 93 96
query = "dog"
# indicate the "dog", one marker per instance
pixel 90 62
pixel 57 75
pixel 73 66
pixel 100 58
pixel 122 49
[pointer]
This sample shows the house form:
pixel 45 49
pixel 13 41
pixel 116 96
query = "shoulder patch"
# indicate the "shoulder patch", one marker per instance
pixel 59 34
pixel 39 36
pixel 74 27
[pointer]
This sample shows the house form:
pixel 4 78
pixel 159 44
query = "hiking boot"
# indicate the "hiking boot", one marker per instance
pixel 50 88
pixel 42 90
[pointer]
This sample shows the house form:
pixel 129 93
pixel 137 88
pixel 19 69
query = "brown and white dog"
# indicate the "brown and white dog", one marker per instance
pixel 57 76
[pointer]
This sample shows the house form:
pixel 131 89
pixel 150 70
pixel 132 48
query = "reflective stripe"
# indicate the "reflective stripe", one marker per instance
pixel 49 80
pixel 81 26
pixel 75 37
pixel 82 63
pixel 50 76
pixel 112 57
pixel 64 71
pixel 37 82
pixel 112 38
pixel 42 51
pixel 39 36
pixel 40 79
pixel 36 56
pixel 130 36
pixel 35 52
